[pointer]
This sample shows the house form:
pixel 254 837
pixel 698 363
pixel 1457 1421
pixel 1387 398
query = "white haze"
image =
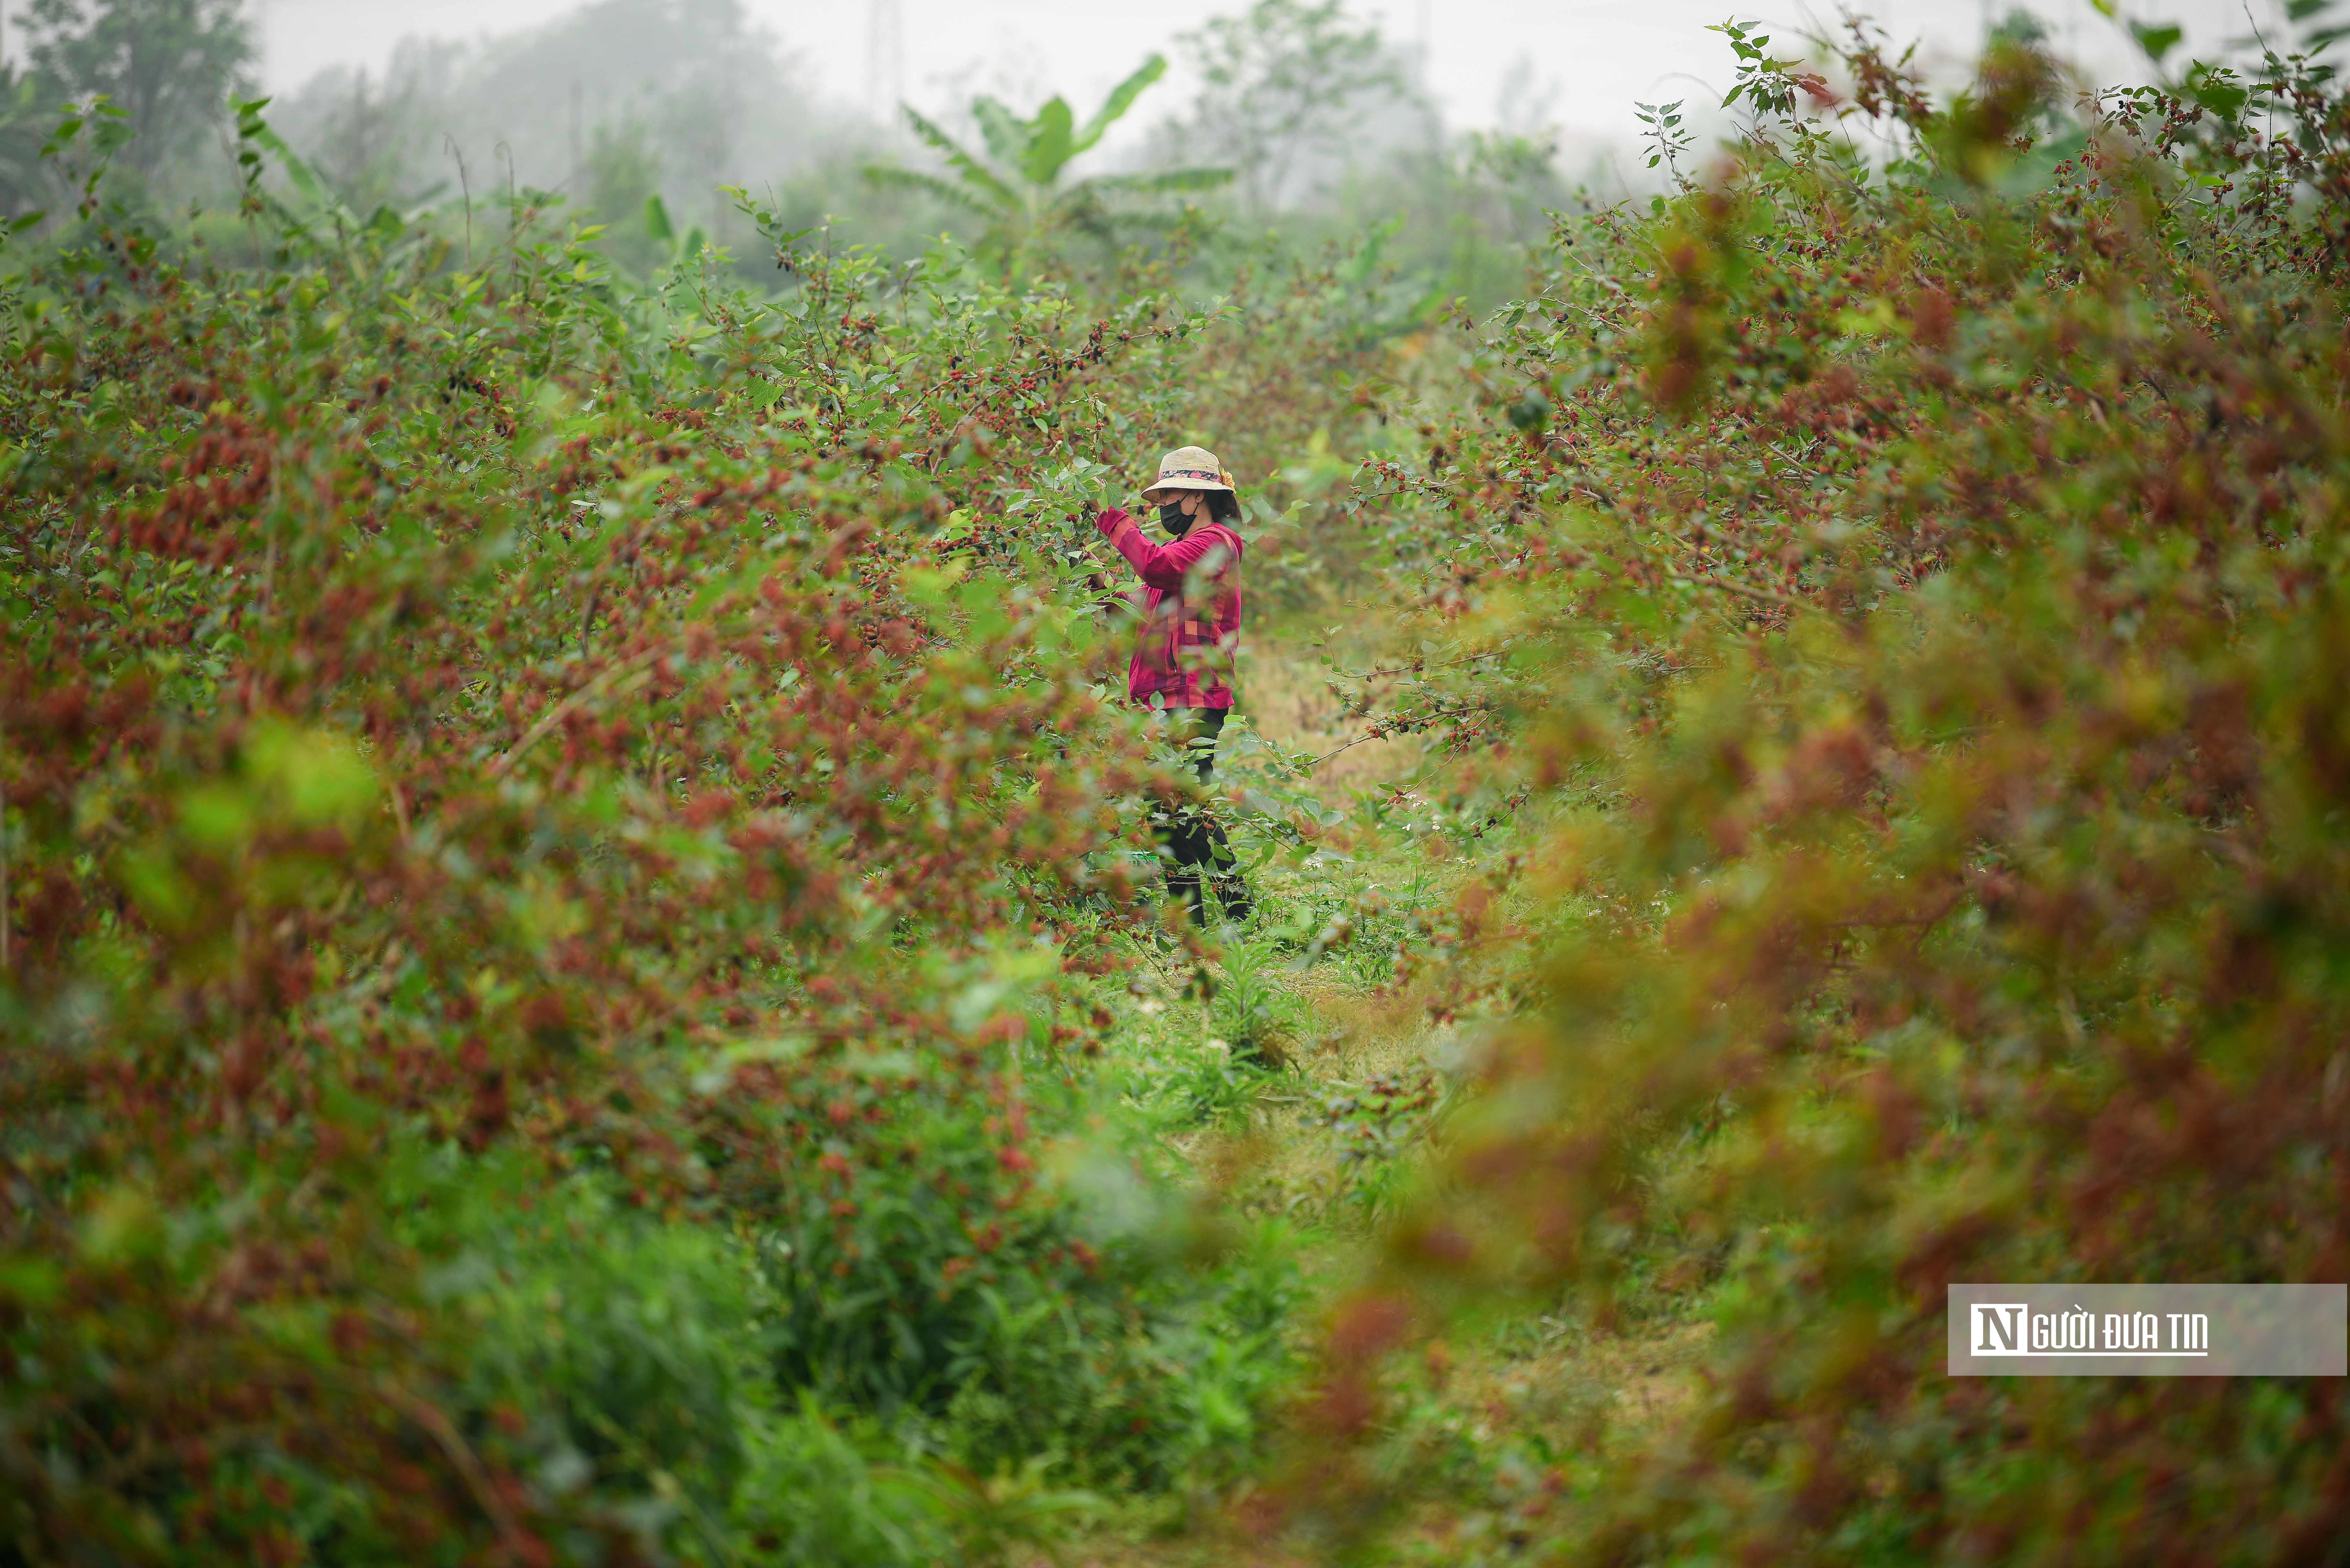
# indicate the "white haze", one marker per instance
pixel 1578 66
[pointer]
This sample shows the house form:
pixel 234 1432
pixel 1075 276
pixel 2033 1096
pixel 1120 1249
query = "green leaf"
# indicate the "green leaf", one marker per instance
pixel 2224 100
pixel 1366 260
pixel 303 178
pixel 890 174
pixel 929 584
pixel 151 877
pixel 975 174
pixel 1006 134
pixel 1167 179
pixel 1121 99
pixel 321 778
pixel 217 815
pixel 63 136
pixel 2156 41
pixel 1050 147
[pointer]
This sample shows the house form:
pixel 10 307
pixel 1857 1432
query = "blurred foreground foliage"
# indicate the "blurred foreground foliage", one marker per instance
pixel 561 840
pixel 569 859
pixel 1905 598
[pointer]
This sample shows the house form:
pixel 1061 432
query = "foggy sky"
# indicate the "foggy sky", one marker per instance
pixel 1589 60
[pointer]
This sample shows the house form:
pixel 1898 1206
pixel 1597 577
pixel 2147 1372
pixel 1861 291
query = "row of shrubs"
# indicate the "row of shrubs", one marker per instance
pixel 552 939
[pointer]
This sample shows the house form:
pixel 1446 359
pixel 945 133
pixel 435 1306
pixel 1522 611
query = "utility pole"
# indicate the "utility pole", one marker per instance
pixel 885 63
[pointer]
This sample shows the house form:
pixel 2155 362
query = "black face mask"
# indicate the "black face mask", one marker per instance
pixel 1171 518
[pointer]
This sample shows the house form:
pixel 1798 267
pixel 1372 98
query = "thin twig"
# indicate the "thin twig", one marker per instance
pixel 1423 669
pixel 513 208
pixel 587 617
pixel 467 185
pixel 452 1443
pixel 563 709
pixel 1765 595
pixel 399 813
pixel 1370 735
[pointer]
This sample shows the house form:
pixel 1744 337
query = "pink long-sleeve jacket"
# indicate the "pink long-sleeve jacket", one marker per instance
pixel 1191 612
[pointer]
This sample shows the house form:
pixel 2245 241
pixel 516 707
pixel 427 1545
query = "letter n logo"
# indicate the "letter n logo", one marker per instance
pixel 1998 1329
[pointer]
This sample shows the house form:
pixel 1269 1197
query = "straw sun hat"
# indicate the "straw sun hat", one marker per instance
pixel 1188 468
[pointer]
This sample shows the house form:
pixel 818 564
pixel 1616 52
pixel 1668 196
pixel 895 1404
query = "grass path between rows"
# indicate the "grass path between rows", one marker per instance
pixel 1472 1408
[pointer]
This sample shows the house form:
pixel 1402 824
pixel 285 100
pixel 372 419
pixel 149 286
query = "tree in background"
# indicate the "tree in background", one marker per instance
pixel 369 134
pixel 706 86
pixel 170 65
pixel 1017 187
pixel 691 87
pixel 1284 87
pixel 25 121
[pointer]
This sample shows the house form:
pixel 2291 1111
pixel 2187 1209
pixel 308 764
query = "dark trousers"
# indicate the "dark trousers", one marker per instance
pixel 1199 858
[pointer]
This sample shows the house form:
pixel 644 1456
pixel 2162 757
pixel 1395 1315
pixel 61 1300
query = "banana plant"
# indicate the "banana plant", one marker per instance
pixel 681 247
pixel 1018 186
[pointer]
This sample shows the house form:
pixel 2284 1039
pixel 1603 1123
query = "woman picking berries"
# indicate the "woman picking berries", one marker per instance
pixel 1183 663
